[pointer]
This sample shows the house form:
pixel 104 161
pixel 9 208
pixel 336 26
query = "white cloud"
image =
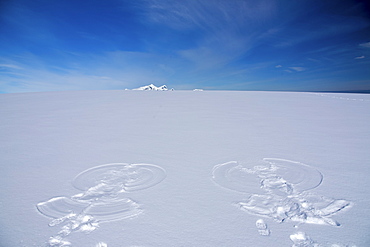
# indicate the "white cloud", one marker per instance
pixel 226 30
pixel 37 80
pixel 278 66
pixel 298 69
pixel 367 45
pixel 9 66
pixel 113 70
pixel 208 15
pixel 215 52
pixel 360 57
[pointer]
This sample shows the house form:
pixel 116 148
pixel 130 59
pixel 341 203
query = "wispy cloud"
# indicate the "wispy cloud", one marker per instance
pixel 112 70
pixel 207 43
pixel 9 66
pixel 208 15
pixel 291 69
pixel 298 69
pixel 33 80
pixel 224 30
pixel 367 45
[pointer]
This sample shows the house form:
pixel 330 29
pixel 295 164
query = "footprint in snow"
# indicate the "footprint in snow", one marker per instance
pixel 262 228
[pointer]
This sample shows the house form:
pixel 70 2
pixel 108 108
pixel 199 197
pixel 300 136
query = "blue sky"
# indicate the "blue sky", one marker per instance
pixel 301 45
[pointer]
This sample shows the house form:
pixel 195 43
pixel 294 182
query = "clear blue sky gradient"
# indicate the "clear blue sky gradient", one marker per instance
pixel 305 45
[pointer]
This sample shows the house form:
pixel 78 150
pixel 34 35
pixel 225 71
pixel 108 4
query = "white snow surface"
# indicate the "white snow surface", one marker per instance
pixel 134 168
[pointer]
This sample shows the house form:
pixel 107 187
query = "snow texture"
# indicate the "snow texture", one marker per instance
pixel 127 168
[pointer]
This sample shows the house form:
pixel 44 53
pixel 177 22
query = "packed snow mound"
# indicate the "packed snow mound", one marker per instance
pixel 152 87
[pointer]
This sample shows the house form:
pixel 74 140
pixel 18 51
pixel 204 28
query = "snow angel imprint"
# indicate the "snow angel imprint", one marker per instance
pixel 278 189
pixel 103 197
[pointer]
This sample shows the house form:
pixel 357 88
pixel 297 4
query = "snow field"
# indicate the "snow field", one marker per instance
pixel 174 168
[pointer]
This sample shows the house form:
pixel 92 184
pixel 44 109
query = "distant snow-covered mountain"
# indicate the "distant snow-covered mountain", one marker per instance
pixel 152 87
